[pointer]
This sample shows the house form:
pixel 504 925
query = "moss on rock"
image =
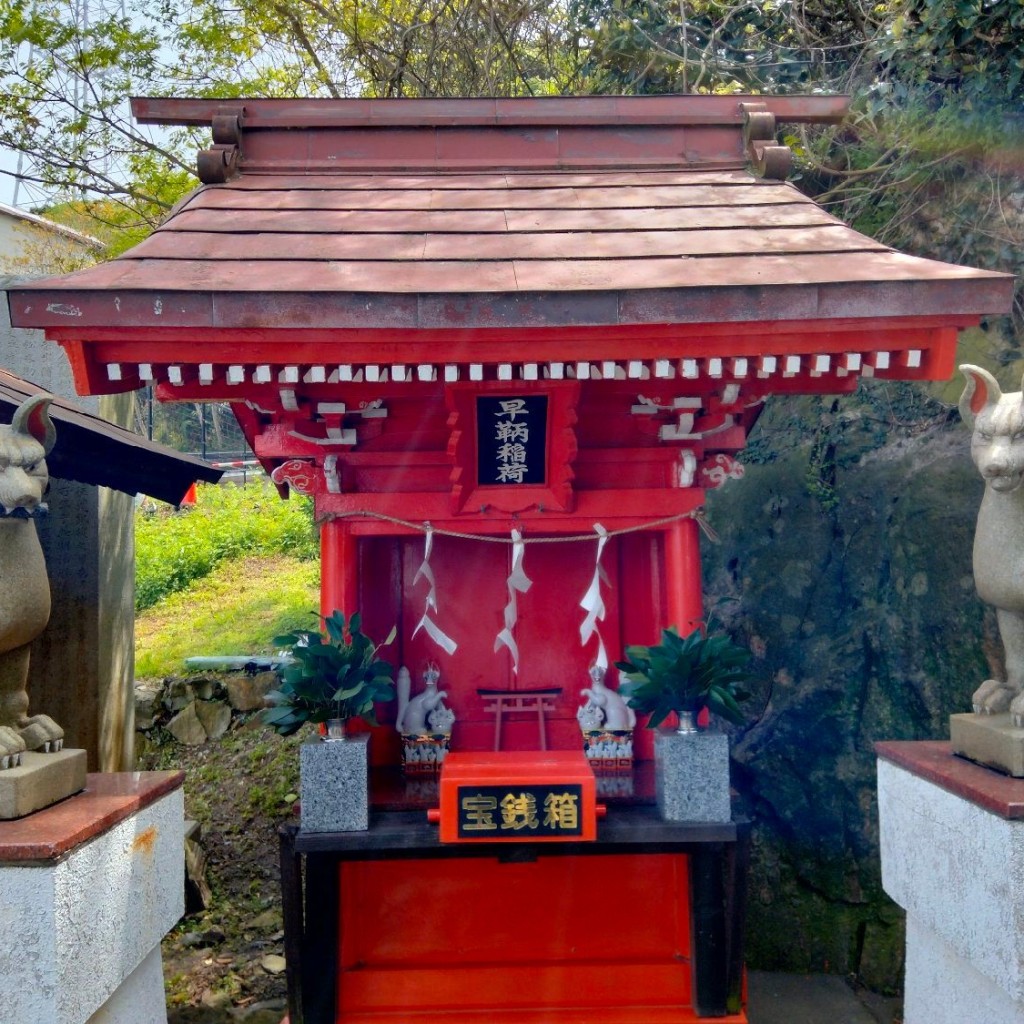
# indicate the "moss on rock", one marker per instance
pixel 868 628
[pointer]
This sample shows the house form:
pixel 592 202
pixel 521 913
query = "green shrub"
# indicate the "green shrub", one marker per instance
pixel 173 548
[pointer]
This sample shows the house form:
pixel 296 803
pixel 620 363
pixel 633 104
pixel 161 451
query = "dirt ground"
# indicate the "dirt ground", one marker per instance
pixel 226 963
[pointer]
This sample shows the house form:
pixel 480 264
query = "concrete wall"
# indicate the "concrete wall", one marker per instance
pixel 31 246
pixel 83 663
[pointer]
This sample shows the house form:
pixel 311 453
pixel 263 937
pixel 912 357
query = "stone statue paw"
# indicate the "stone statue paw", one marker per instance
pixel 11 747
pixel 1017 711
pixel 42 733
pixel 993 697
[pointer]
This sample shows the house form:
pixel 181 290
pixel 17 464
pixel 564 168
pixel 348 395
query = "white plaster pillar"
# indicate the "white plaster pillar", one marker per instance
pixel 957 869
pixel 84 927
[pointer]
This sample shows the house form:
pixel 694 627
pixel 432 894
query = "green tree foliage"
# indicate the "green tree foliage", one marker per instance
pixel 649 46
pixel 974 48
pixel 419 47
pixel 64 102
pixel 926 175
pixel 62 107
pixel 934 163
pixel 928 162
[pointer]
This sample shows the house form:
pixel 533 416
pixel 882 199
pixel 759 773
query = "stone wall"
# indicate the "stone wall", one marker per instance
pixel 853 582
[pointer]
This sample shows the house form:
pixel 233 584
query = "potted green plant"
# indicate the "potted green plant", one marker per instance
pixel 333 677
pixel 683 676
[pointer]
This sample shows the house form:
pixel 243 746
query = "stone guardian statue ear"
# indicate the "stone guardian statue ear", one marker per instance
pixel 32 417
pixel 982 390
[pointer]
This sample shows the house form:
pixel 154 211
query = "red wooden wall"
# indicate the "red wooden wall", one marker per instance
pixel 472 593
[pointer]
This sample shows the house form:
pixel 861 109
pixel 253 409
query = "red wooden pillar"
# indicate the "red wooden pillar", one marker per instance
pixel 339 568
pixel 682 576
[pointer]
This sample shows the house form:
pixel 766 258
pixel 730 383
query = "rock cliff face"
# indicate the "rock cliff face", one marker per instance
pixel 854 586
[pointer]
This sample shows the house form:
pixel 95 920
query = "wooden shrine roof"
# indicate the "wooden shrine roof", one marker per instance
pixel 416 231
pixel 686 234
pixel 354 274
pixel 639 214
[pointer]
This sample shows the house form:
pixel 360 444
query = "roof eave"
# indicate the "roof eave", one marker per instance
pixel 58 307
pixel 117 457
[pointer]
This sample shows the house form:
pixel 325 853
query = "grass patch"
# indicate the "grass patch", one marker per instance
pixel 237 609
pixel 174 548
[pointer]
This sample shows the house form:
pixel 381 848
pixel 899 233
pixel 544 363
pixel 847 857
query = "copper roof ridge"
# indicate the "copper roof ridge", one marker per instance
pixel 321 112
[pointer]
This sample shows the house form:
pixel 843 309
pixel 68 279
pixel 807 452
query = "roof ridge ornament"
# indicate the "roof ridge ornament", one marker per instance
pixel 768 159
pixel 219 163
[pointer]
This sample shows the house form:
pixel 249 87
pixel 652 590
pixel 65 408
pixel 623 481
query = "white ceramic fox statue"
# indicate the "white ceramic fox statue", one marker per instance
pixel 24 587
pixel 426 712
pixel 997 447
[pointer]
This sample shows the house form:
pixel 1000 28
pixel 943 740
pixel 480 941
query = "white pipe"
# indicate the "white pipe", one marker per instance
pixel 236 661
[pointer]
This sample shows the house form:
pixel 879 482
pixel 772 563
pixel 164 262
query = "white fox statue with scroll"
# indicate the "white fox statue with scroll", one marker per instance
pixel 24 587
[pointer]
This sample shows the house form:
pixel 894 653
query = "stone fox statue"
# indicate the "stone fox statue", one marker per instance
pixel 24 587
pixel 997 447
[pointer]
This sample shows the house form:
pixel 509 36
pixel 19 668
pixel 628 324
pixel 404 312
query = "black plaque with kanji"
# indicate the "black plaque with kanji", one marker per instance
pixel 511 439
pixel 519 812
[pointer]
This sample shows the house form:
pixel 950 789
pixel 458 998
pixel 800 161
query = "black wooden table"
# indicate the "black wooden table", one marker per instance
pixel 717 857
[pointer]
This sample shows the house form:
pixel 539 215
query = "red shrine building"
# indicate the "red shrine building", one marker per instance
pixel 507 345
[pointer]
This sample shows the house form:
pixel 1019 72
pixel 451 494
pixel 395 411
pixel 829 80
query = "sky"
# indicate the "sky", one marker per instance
pixel 9 163
pixel 30 196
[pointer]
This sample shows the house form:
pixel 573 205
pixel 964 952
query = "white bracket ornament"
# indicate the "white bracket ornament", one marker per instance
pixel 686 469
pixel 297 474
pixel 686 409
pixel 373 410
pixel 336 437
pixel 645 406
pixel 332 476
pixel 721 469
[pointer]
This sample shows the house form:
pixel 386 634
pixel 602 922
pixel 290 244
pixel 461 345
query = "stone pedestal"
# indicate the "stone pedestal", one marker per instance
pixel 991 740
pixel 334 791
pixel 952 844
pixel 39 781
pixel 88 888
pixel 691 776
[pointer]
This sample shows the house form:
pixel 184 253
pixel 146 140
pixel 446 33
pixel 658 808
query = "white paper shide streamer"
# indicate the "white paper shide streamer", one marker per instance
pixel 518 583
pixel 445 642
pixel 593 602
